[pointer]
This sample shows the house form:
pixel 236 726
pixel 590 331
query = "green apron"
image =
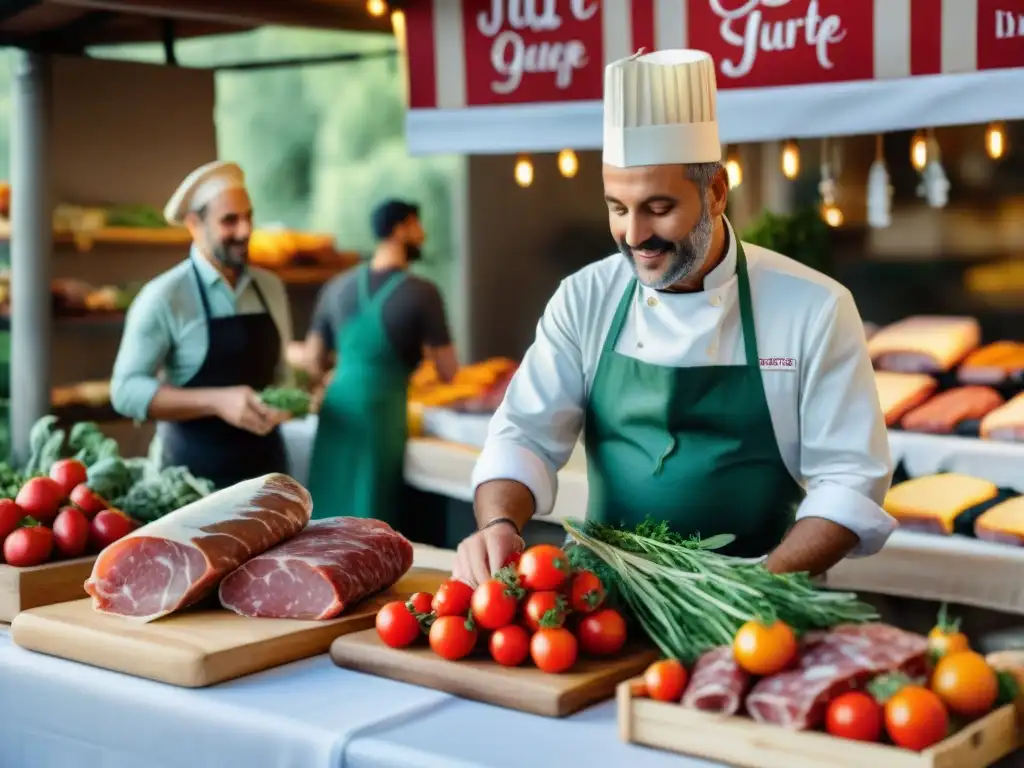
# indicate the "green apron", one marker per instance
pixel 358 460
pixel 693 447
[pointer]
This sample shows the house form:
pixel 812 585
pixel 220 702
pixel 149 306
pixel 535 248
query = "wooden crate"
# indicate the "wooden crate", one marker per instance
pixel 24 588
pixel 740 741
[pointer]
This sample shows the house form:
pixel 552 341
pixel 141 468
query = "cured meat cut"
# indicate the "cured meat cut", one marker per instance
pixel 832 663
pixel 717 683
pixel 179 559
pixel 321 572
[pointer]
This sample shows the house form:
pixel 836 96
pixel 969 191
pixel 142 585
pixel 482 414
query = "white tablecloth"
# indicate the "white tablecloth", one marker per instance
pixel 59 714
pixel 465 734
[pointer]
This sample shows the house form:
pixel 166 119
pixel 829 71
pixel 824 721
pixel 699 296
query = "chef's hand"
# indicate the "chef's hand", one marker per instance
pixel 485 552
pixel 241 407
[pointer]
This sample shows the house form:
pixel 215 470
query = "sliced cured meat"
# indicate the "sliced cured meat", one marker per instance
pixel 321 572
pixel 843 659
pixel 717 683
pixel 179 559
pixel 924 344
pixel 941 414
pixel 899 393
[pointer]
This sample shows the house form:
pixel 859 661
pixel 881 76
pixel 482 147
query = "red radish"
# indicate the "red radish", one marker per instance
pixel 10 515
pixel 87 500
pixel 29 546
pixel 71 532
pixel 40 497
pixel 109 526
pixel 68 473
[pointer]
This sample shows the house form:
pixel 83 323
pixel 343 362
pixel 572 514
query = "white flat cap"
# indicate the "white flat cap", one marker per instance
pixel 201 186
pixel 660 109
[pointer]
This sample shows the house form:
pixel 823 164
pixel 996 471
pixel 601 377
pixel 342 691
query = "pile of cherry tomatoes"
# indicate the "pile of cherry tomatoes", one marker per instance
pixel 535 607
pixel 58 517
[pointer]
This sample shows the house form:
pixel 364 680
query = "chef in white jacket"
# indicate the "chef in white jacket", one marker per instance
pixel 720 387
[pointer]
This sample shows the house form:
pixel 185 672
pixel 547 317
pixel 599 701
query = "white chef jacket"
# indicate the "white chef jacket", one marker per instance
pixel 814 363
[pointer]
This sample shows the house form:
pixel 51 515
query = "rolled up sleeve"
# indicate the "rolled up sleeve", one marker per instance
pixel 844 456
pixel 145 342
pixel 534 431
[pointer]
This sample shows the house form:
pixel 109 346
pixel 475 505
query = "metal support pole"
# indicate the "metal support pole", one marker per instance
pixel 31 248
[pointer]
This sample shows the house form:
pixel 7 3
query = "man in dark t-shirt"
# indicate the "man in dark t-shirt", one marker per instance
pixel 414 315
pixel 378 323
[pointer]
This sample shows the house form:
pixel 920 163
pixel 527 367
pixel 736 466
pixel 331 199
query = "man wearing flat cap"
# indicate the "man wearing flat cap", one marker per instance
pixel 720 388
pixel 379 322
pixel 202 339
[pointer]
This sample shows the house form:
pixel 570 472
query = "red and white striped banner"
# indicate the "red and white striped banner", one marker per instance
pixel 475 53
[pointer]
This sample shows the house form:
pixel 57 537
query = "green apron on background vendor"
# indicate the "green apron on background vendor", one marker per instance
pixel 720 387
pixel 377 322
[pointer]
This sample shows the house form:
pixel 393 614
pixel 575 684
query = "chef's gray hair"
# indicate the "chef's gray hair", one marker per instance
pixel 701 174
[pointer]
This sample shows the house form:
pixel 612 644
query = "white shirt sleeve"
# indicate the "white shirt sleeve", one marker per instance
pixel 534 431
pixel 844 455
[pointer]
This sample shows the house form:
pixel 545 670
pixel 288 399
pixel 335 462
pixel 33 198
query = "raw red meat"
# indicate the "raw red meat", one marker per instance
pixel 842 659
pixel 179 559
pixel 331 565
pixel 717 683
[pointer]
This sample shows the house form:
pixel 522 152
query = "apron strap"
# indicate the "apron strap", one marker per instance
pixel 746 309
pixel 619 320
pixel 202 290
pixel 259 293
pixel 388 288
pixel 363 284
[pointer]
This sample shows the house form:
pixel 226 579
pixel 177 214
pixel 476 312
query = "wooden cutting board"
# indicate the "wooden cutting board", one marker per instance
pixel 24 588
pixel 195 648
pixel 524 688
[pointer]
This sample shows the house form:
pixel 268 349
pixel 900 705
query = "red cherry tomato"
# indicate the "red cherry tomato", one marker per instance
pixel 665 680
pixel 452 598
pixel 587 592
pixel 602 633
pixel 71 532
pixel 40 497
pixel 25 547
pixel 107 527
pixel 542 567
pixel 87 500
pixel 453 637
pixel 553 650
pixel 549 604
pixel 856 716
pixel 510 645
pixel 68 473
pixel 421 601
pixel 512 559
pixel 10 515
pixel 493 605
pixel 396 625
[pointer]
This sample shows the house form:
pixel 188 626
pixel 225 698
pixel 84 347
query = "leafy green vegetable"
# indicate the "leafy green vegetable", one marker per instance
pixel 294 401
pixel 803 236
pixel 689 598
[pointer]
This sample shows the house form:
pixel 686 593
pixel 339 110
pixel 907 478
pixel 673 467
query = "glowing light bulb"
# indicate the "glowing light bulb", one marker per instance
pixel 376 7
pixel 919 151
pixel 832 215
pixel 734 171
pixel 791 160
pixel 568 163
pixel 995 140
pixel 398 25
pixel 524 172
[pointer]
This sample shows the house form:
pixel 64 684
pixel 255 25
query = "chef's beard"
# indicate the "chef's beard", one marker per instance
pixel 413 253
pixel 232 254
pixel 684 258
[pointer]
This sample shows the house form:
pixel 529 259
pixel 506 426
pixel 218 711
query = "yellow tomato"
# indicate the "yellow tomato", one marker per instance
pixel 966 683
pixel 764 649
pixel 943 642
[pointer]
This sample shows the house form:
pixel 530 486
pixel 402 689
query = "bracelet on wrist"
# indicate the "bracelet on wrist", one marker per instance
pixel 498 521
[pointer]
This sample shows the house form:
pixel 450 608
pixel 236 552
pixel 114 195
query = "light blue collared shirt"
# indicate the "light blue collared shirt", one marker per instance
pixel 165 335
